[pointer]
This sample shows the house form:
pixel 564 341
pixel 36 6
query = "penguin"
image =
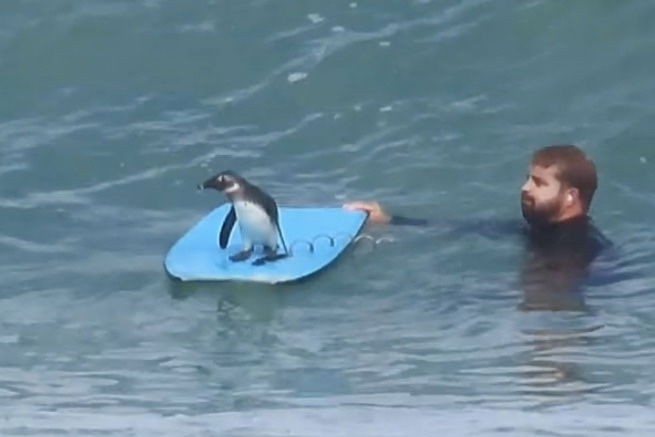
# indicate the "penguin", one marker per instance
pixel 256 212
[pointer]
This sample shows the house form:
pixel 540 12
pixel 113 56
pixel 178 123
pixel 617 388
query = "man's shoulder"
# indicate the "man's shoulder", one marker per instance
pixel 597 236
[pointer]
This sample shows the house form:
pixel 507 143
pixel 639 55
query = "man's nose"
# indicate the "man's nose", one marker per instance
pixel 526 186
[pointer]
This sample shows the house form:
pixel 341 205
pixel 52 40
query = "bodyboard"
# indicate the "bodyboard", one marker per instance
pixel 315 238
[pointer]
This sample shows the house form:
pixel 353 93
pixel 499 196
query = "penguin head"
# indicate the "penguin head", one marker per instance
pixel 225 181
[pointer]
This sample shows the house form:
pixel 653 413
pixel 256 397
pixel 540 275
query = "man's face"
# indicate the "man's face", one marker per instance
pixel 542 196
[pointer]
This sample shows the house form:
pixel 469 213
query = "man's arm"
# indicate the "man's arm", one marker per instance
pixel 487 227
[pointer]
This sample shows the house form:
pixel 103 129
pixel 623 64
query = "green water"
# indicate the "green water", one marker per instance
pixel 112 111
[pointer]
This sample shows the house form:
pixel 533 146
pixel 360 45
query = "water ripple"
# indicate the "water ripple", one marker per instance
pixel 113 112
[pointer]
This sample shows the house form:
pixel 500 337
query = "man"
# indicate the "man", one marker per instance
pixel 561 239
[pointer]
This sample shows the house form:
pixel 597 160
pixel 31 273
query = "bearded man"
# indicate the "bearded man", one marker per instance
pixel 560 237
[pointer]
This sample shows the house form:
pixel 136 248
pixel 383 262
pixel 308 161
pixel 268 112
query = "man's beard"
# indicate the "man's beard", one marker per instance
pixel 539 215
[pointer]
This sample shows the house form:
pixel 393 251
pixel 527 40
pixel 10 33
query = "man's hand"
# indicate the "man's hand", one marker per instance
pixel 376 214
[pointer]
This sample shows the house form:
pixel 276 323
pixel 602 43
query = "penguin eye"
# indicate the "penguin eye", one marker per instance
pixel 221 178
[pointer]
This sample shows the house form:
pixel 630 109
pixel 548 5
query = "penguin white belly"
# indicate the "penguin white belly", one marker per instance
pixel 256 226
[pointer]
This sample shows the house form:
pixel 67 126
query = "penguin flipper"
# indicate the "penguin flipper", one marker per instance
pixel 226 229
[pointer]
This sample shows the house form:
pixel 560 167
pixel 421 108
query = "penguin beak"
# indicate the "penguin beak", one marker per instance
pixel 209 183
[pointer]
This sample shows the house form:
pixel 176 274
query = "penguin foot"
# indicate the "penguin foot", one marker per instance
pixel 269 258
pixel 241 256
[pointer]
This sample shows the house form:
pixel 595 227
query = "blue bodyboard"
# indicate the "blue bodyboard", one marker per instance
pixel 315 237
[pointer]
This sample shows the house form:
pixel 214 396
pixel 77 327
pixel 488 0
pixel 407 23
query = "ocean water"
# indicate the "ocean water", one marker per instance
pixel 112 111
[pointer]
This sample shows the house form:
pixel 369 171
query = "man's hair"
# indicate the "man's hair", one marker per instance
pixel 574 169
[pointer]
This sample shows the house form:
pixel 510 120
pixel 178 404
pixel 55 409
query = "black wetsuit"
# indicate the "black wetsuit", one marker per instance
pixel 557 258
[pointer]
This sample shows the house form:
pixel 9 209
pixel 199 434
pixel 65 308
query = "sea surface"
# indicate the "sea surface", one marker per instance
pixel 111 111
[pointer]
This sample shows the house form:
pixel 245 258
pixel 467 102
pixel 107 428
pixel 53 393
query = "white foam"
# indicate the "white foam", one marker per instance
pixel 297 76
pixel 315 18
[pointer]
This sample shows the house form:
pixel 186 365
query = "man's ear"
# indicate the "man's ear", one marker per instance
pixel 572 194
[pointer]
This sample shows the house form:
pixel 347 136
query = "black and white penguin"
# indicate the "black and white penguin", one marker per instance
pixel 256 212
